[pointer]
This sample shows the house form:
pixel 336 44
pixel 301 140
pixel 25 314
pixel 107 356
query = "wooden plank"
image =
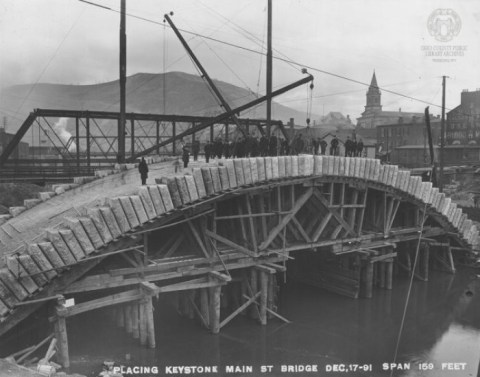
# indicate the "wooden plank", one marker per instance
pixel 214 309
pixel 198 239
pixel 276 230
pixel 115 299
pixel 227 242
pixel 301 229
pixel 253 230
pixel 335 214
pixel 239 310
pixel 318 232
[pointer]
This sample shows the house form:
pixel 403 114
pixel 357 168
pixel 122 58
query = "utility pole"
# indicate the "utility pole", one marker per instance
pixel 123 80
pixel 442 137
pixel 269 69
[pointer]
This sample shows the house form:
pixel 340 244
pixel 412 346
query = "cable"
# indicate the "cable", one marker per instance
pixel 288 61
pixel 49 62
pixel 417 251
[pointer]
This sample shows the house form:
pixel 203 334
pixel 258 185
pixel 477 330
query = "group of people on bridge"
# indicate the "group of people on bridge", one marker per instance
pixel 252 146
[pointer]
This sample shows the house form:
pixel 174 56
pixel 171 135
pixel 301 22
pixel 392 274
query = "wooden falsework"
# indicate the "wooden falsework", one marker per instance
pixel 150 322
pixel 239 309
pixel 128 319
pixel 214 308
pixel 135 321
pixel 277 229
pixel 389 277
pixel 142 323
pixel 61 334
pixel 264 278
pixel 254 313
pixel 204 309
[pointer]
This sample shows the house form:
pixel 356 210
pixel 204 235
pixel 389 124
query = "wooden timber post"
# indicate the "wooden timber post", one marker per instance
pixel 204 310
pixel 61 333
pixel 214 309
pixel 149 290
pixel 142 323
pixel 150 322
pixel 215 294
pixel 135 321
pixel 266 275
pixel 367 279
pixel 254 287
pixel 389 275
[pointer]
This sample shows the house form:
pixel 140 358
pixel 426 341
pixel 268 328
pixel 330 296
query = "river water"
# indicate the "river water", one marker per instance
pixel 440 335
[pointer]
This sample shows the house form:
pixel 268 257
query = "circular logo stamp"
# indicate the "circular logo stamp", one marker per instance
pixel 444 24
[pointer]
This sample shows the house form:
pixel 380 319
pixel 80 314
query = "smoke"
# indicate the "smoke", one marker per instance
pixel 61 130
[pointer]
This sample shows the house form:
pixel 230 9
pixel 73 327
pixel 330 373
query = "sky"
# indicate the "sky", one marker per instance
pixel 340 41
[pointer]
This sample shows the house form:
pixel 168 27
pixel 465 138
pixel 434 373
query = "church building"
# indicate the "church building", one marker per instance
pixel 374 116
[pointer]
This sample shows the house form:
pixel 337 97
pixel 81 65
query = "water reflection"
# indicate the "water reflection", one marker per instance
pixel 442 324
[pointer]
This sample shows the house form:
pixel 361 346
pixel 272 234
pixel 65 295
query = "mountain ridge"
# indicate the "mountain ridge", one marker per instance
pixel 185 94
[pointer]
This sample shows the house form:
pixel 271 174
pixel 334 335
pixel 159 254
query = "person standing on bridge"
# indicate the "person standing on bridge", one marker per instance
pixel 185 157
pixel 359 148
pixel 143 170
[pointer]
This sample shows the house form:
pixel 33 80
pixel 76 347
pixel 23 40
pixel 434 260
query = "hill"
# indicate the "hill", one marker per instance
pixel 185 94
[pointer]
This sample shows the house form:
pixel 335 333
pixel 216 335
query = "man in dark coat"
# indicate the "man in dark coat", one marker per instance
pixel 185 157
pixel 263 146
pixel 359 148
pixel 272 145
pixel 316 144
pixel 334 146
pixel 143 170
pixel 349 148
pixel 298 144
pixel 195 149
pixel 208 151
pixel 323 146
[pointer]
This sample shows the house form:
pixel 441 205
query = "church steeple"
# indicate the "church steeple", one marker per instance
pixel 374 97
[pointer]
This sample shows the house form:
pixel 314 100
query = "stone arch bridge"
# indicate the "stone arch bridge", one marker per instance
pixel 218 235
